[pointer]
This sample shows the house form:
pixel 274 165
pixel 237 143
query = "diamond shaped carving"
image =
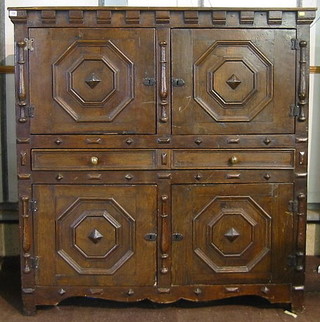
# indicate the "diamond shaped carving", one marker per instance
pixel 233 81
pixel 95 236
pixel 93 81
pixel 214 88
pixel 231 234
pixel 77 69
pixel 106 248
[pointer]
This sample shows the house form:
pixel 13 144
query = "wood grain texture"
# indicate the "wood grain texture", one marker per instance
pixel 6 69
pixel 155 188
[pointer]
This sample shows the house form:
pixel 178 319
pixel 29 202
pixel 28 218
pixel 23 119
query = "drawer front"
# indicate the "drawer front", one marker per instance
pixel 237 159
pixel 93 159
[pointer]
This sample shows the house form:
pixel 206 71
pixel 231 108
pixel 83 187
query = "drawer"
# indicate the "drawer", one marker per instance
pixel 237 159
pixel 71 159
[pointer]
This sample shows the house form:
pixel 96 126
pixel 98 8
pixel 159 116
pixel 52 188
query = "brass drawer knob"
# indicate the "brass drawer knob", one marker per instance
pixel 234 160
pixel 94 160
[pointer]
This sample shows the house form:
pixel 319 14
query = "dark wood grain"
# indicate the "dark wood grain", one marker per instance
pixel 6 69
pixel 162 153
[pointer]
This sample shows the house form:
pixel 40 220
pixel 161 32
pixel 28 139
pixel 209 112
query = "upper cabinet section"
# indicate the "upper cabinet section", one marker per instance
pixel 162 16
pixel 92 80
pixel 161 70
pixel 234 81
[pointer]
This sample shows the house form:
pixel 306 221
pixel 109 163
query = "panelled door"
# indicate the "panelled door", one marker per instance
pixel 92 80
pixel 238 233
pixel 95 235
pixel 233 81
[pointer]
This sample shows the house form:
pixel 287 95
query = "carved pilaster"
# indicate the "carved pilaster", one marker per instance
pixel 163 85
pixel 21 82
pixel 165 233
pixel 302 91
pixel 26 236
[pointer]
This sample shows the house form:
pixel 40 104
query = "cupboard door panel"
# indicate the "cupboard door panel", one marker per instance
pixel 92 80
pixel 94 235
pixel 240 82
pixel 231 233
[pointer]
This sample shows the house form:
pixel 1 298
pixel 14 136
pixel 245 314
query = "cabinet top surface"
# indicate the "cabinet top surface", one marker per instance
pixel 119 8
pixel 173 17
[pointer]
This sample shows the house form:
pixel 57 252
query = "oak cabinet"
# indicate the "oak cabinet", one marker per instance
pixel 95 235
pixel 231 233
pixel 92 80
pixel 232 79
pixel 162 153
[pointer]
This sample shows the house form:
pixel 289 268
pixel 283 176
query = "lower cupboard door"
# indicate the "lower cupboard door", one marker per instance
pixel 237 233
pixel 94 235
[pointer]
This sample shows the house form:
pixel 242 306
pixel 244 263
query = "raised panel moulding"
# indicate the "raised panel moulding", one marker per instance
pixel 117 76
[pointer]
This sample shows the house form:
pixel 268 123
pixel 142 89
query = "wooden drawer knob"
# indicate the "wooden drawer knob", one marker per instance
pixel 234 160
pixel 94 160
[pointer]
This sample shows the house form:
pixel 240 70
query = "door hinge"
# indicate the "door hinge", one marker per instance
pixel 30 111
pixel 34 261
pixel 29 44
pixel 294 44
pixel 292 260
pixel 296 261
pixel 294 110
pixel 33 206
pixel 293 206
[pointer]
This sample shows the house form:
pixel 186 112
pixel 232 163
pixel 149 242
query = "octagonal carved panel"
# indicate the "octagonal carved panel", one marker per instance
pixel 238 238
pixel 97 242
pixel 94 74
pixel 93 81
pixel 233 81
pixel 95 236
pixel 236 90
pixel 232 234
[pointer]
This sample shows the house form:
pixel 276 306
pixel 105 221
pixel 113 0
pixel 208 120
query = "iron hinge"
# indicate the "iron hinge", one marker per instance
pixel 292 260
pixel 294 44
pixel 33 206
pixel 294 110
pixel 35 262
pixel 293 206
pixel 29 44
pixel 30 111
pixel 296 261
